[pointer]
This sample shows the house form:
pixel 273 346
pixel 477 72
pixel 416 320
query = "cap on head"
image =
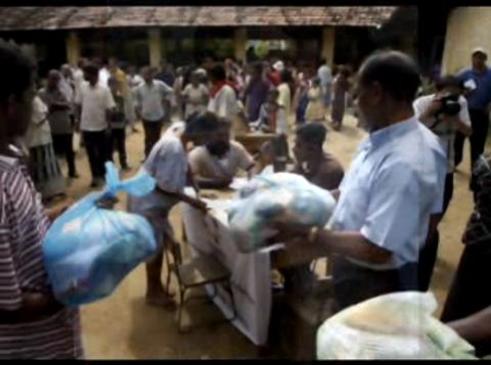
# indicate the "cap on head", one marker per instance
pixel 279 66
pixel 479 50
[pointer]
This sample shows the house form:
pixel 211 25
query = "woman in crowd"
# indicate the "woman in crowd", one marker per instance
pixel 45 170
pixel 341 86
pixel 256 91
pixel 285 93
pixel 315 111
pixel 301 99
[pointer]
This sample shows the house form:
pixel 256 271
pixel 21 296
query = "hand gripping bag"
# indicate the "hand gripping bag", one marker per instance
pixel 392 326
pixel 272 198
pixel 88 250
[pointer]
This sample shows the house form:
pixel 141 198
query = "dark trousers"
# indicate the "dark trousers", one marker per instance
pixel 152 132
pixel 429 252
pixel 480 125
pixel 96 145
pixel 354 284
pixel 118 143
pixel 63 146
pixel 469 292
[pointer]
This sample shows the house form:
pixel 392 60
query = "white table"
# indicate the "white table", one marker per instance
pixel 251 273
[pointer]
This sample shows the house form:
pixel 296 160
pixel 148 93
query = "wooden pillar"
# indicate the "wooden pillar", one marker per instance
pixel 154 47
pixel 327 50
pixel 72 48
pixel 240 42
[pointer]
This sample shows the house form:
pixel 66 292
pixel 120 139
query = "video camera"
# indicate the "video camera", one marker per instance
pixel 450 105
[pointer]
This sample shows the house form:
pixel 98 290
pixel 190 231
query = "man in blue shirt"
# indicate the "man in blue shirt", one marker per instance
pixel 477 81
pixel 385 201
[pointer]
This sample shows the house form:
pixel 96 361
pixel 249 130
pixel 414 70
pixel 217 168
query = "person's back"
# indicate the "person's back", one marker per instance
pixel 94 101
pixel 330 173
pixel 312 161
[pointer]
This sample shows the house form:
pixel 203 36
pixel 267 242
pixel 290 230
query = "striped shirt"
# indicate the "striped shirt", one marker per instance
pixel 23 224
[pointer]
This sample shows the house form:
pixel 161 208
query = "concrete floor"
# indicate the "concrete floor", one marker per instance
pixel 123 327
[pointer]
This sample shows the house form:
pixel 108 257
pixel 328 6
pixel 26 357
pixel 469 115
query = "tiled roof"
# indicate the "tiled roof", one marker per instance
pixel 36 18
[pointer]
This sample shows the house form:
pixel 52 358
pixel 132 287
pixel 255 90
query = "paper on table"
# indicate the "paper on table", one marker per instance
pixel 238 183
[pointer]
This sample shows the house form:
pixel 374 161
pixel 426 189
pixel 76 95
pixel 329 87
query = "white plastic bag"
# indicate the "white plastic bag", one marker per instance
pixel 272 198
pixel 392 326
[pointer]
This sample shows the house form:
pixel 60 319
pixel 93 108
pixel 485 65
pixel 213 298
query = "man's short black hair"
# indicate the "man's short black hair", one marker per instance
pixel 198 123
pixel 286 76
pixel 448 81
pixel 396 72
pixel 314 133
pixel 16 72
pixel 258 67
pixel 91 69
pixel 217 73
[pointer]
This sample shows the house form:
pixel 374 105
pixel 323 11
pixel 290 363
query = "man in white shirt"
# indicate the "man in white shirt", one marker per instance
pixel 384 203
pixel 438 116
pixel 223 99
pixel 94 103
pixel 104 73
pixel 151 99
pixel 325 75
pixel 215 164
pixel 78 76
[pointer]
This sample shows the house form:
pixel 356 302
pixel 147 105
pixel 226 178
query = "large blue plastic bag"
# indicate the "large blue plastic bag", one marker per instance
pixel 273 198
pixel 89 250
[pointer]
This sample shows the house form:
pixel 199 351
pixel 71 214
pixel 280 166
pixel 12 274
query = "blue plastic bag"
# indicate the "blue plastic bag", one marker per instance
pixel 273 198
pixel 89 250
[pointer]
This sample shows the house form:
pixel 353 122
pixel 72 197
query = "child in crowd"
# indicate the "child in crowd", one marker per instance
pixel 315 109
pixel 118 123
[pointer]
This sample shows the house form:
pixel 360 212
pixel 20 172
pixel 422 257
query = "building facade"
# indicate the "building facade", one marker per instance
pixel 181 35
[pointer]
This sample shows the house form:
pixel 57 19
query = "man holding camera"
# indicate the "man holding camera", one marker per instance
pixel 477 83
pixel 444 113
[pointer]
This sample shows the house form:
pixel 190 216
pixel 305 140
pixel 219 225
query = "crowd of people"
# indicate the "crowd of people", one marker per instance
pixel 383 235
pixel 105 100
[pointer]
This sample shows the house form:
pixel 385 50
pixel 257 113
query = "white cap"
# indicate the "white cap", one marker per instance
pixel 279 66
pixel 479 50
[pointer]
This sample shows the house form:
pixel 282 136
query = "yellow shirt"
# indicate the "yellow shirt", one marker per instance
pixel 122 81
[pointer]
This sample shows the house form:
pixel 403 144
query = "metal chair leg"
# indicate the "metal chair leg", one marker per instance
pixel 232 300
pixel 169 274
pixel 182 293
pixel 215 292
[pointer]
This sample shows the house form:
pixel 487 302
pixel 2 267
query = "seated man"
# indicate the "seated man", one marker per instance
pixel 312 162
pixel 215 164
pixel 321 169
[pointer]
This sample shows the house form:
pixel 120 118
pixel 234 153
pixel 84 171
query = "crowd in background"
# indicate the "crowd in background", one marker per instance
pixel 260 96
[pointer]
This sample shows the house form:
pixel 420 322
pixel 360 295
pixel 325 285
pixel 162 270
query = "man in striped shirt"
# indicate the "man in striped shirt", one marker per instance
pixel 33 325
